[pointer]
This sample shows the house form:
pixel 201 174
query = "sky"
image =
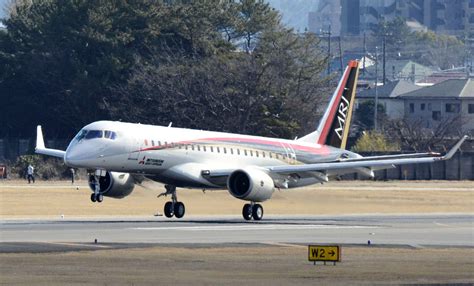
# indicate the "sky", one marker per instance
pixel 295 12
pixel 3 3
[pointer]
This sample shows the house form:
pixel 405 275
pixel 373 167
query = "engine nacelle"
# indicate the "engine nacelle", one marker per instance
pixel 113 184
pixel 251 185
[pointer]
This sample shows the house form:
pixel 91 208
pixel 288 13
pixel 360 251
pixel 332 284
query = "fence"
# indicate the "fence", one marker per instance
pixel 460 167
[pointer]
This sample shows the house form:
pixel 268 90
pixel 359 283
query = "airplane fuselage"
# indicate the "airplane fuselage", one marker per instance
pixel 180 156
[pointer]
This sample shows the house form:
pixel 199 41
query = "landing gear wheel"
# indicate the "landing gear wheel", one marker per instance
pixel 168 210
pixel 99 198
pixel 247 212
pixel 93 198
pixel 179 210
pixel 257 212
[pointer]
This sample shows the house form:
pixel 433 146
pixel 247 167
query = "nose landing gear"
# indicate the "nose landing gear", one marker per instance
pixel 252 210
pixel 173 208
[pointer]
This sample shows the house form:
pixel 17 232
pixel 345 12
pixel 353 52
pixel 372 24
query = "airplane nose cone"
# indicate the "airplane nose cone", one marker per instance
pixel 74 156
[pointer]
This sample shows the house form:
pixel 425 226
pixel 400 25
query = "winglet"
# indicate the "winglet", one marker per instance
pixel 39 138
pixel 455 148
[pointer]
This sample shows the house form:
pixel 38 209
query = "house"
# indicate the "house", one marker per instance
pixel 388 96
pixel 448 99
pixel 399 70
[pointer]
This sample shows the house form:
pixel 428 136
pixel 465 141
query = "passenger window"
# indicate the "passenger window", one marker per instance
pixel 199 148
pixel 212 149
pixel 225 150
pixel 238 151
pixel 152 142
pixel 204 148
pixel 270 154
pixel 251 153
pixel 256 153
pixel 192 147
pixel 231 151
pixel 218 149
pixel 159 143
pixel 245 152
pixel 263 154
pixel 186 147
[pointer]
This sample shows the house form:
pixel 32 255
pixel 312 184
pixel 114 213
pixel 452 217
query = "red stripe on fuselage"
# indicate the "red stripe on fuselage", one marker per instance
pixel 322 150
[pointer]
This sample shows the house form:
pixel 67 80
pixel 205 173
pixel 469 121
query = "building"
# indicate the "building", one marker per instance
pixel 399 70
pixel 453 17
pixel 448 99
pixel 328 14
pixel 388 97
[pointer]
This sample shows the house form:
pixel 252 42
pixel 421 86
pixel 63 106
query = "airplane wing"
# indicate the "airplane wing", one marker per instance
pixel 41 149
pixel 356 164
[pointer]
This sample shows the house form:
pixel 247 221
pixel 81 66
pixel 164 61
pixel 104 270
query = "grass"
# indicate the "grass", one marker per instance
pixel 53 199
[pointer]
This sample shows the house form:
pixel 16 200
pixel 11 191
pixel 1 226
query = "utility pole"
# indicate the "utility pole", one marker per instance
pixel 376 93
pixel 383 47
pixel 340 55
pixel 363 59
pixel 329 50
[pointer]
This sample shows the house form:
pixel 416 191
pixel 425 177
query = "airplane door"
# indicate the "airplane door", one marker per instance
pixel 290 153
pixel 134 149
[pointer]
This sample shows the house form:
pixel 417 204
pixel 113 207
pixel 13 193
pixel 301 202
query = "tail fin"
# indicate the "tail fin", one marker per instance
pixel 333 128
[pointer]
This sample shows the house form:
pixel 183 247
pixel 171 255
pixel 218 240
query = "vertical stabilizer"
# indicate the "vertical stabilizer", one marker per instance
pixel 333 129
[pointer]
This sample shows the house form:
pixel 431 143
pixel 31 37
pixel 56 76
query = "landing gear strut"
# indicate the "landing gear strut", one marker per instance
pixel 97 196
pixel 173 208
pixel 252 210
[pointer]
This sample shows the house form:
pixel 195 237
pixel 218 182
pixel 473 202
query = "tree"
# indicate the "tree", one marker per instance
pixel 373 141
pixel 222 65
pixel 414 136
pixel 427 48
pixel 364 115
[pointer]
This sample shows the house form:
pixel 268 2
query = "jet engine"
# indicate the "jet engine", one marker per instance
pixel 114 184
pixel 251 185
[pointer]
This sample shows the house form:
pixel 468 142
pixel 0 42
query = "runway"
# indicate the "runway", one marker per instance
pixel 445 230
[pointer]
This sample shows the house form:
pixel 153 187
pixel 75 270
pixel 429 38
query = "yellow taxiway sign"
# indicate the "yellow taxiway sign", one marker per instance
pixel 324 253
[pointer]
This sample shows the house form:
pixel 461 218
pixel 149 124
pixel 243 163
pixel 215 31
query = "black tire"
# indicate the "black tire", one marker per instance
pixel 93 198
pixel 179 209
pixel 100 198
pixel 247 211
pixel 257 212
pixel 168 209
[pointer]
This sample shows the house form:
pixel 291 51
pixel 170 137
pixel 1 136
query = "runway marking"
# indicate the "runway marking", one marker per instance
pixel 285 244
pixel 442 224
pixel 253 227
pixel 77 244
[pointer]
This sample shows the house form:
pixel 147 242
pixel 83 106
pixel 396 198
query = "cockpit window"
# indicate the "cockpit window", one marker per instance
pixel 81 135
pixel 94 134
pixel 110 135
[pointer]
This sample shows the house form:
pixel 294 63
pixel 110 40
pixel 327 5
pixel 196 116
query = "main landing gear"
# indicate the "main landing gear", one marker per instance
pixel 97 196
pixel 172 208
pixel 252 210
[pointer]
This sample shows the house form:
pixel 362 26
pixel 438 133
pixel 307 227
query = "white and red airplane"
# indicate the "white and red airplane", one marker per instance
pixel 121 155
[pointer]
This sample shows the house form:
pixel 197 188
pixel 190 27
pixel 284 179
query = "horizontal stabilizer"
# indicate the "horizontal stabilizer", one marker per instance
pixel 41 149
